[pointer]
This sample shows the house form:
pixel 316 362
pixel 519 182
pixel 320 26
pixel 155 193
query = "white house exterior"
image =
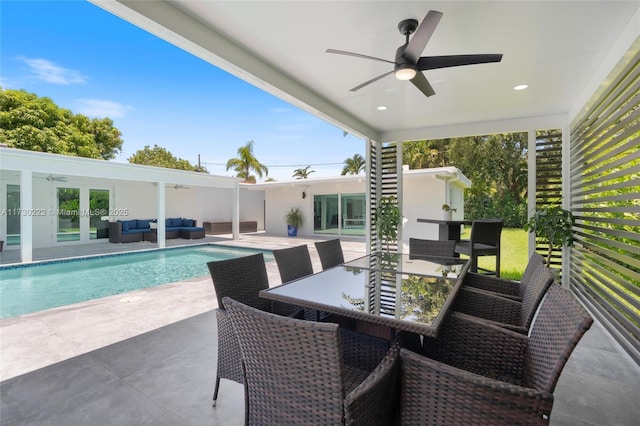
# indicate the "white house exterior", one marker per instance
pixel 424 193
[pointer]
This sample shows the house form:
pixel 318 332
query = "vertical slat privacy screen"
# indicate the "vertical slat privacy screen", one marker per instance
pixel 605 199
pixel 383 182
pixel 549 180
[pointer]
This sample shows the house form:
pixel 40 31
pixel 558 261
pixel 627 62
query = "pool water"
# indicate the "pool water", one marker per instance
pixel 31 288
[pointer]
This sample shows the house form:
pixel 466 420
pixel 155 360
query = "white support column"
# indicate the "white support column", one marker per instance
pixel 26 219
pixel 531 186
pixel 566 198
pixel 160 208
pixel 235 212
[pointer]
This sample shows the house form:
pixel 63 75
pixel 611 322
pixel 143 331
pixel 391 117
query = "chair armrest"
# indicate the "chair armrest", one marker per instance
pixel 433 392
pixel 488 305
pixel 474 345
pixel 373 400
pixel 505 288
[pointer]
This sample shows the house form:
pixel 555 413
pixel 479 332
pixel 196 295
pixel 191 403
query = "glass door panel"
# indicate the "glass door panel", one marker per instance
pixel 99 208
pixel 68 214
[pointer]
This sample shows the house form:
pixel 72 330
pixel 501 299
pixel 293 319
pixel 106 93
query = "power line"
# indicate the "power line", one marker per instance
pixel 284 165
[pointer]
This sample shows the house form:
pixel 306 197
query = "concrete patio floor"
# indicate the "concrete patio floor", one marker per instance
pixel 149 356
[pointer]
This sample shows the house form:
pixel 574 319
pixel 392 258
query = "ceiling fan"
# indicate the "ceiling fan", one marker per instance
pixel 408 64
pixel 52 178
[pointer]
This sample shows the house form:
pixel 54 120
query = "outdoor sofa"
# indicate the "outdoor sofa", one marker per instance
pixel 127 231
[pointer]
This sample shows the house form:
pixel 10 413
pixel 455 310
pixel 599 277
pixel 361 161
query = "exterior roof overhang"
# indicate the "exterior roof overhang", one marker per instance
pixel 564 50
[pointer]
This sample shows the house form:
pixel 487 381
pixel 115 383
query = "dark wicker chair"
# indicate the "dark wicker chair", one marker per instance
pixel 240 278
pixel 484 241
pixel 441 248
pixel 330 253
pixel 299 372
pixel 481 374
pixel 293 262
pixel 505 288
pixel 502 311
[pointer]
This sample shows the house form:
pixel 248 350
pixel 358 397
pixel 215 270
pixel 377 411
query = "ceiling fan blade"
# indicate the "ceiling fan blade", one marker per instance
pixel 371 81
pixel 358 55
pixel 434 62
pixel 421 82
pixel 422 35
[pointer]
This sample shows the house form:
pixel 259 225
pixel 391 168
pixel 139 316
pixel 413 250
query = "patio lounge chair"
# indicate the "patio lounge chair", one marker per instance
pixel 330 253
pixel 506 288
pixel 301 372
pixel 482 374
pixel 241 278
pixel 502 311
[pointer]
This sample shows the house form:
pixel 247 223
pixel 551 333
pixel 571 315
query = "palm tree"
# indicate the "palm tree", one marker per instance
pixel 302 173
pixel 354 165
pixel 245 163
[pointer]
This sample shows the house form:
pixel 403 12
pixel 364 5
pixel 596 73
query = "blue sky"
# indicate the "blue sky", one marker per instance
pixel 94 63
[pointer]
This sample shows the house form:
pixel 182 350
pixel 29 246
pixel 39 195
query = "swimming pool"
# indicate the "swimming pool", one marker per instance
pixel 31 288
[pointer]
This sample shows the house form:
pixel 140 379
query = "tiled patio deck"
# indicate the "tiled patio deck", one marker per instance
pixel 148 357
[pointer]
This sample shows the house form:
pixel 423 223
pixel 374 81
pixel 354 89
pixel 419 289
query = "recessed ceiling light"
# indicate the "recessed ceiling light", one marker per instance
pixel 382 108
pixel 521 87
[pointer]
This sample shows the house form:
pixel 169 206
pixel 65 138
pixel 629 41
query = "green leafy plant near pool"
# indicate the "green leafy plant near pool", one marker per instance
pixel 294 220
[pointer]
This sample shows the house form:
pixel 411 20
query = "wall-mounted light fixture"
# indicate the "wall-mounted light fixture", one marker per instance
pixel 304 195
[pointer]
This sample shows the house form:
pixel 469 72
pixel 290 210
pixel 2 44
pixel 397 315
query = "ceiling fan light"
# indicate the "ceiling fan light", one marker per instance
pixel 405 72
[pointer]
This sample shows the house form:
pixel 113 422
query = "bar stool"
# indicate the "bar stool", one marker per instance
pixel 485 241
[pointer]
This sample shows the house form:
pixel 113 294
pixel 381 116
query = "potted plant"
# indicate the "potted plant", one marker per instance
pixel 448 210
pixel 387 220
pixel 552 226
pixel 294 220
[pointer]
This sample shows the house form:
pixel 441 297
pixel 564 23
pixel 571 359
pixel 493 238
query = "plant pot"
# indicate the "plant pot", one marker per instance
pixel 447 214
pixel 292 231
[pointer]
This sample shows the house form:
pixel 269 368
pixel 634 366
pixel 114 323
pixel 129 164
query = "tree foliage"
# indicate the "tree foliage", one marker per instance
pixel 354 165
pixel 496 165
pixel 36 123
pixel 302 173
pixel 245 163
pixel 160 157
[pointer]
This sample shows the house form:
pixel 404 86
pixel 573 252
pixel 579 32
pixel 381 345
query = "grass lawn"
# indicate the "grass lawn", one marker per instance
pixel 514 250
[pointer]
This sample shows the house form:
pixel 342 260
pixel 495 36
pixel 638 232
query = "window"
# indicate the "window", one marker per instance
pixel 13 215
pixel 98 208
pixel 339 214
pixel 68 214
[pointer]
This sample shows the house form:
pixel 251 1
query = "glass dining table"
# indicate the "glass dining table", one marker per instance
pixel 400 291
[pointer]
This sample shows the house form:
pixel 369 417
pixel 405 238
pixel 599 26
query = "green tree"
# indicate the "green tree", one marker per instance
pixel 302 173
pixel 354 165
pixel 425 154
pixel 160 157
pixel 247 162
pixel 37 124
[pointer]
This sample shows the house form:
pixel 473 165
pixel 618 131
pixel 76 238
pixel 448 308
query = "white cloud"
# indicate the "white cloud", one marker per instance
pixel 102 108
pixel 49 72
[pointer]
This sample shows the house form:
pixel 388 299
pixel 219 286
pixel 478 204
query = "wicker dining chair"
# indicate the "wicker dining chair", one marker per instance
pixel 296 372
pixel 293 262
pixel 484 241
pixel 505 288
pixel 476 373
pixel 441 248
pixel 330 253
pixel 502 311
pixel 241 278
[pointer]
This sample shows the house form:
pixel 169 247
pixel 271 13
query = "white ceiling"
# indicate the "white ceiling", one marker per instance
pixel 556 47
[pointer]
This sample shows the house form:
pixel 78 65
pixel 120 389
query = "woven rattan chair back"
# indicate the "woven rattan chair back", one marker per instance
pixel 559 326
pixel 442 248
pixel 535 260
pixel 484 241
pixel 241 278
pixel 330 253
pixel 534 292
pixel 293 262
pixel 292 368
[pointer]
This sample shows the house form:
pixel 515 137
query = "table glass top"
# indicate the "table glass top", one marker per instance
pixel 410 264
pixel 416 296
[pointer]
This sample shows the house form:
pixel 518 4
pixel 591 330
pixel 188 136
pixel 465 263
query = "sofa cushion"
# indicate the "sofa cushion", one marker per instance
pixel 143 224
pixel 187 223
pixel 125 225
pixel 136 231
